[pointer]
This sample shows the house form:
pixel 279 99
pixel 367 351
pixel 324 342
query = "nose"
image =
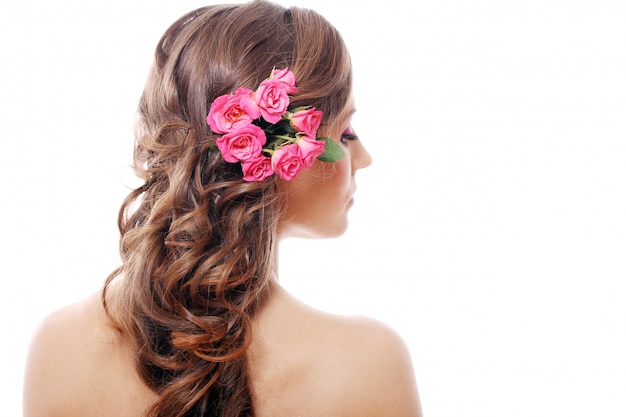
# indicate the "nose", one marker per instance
pixel 361 158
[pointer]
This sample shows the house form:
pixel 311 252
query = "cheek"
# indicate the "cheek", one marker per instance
pixel 339 176
pixel 317 188
pixel 317 200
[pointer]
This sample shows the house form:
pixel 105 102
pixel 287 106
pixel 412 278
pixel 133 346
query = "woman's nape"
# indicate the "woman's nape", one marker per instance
pixel 194 321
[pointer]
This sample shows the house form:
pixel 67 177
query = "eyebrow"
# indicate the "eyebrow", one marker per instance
pixel 348 114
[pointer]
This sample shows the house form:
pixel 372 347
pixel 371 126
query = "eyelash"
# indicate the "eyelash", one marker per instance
pixel 347 136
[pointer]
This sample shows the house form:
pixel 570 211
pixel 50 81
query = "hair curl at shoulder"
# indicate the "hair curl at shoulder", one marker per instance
pixel 198 244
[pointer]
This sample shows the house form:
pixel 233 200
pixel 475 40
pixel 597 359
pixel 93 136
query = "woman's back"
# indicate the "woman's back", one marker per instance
pixel 302 363
pixel 244 139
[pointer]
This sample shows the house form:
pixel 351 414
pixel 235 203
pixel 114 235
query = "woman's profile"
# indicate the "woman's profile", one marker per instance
pixel 244 138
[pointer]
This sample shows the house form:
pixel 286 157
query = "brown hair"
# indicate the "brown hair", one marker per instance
pixel 198 243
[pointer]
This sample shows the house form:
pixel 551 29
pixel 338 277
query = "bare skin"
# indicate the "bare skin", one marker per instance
pixel 79 366
pixel 307 363
pixel 303 363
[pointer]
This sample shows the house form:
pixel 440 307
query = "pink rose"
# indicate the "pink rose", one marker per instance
pixel 233 111
pixel 272 99
pixel 257 169
pixel 310 149
pixel 287 78
pixel 243 144
pixel 287 161
pixel 307 121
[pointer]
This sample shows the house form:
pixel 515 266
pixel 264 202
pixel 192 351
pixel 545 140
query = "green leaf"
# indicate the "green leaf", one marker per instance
pixel 297 109
pixel 332 151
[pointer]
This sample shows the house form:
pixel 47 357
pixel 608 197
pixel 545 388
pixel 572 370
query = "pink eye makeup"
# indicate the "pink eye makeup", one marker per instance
pixel 347 135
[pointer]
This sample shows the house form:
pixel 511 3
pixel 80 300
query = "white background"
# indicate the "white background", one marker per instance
pixel 490 230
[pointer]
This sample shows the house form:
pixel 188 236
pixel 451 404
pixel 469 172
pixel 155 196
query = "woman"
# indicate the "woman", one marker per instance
pixel 244 139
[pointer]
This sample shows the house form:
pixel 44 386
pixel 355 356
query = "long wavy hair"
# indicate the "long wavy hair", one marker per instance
pixel 198 244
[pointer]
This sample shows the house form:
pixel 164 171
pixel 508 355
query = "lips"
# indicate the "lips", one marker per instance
pixel 351 201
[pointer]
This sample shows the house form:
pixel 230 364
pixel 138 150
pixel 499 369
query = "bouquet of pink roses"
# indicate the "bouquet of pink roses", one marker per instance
pixel 260 132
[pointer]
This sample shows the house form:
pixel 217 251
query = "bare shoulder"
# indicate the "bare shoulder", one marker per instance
pixel 375 361
pixel 314 363
pixel 50 367
pixel 76 361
